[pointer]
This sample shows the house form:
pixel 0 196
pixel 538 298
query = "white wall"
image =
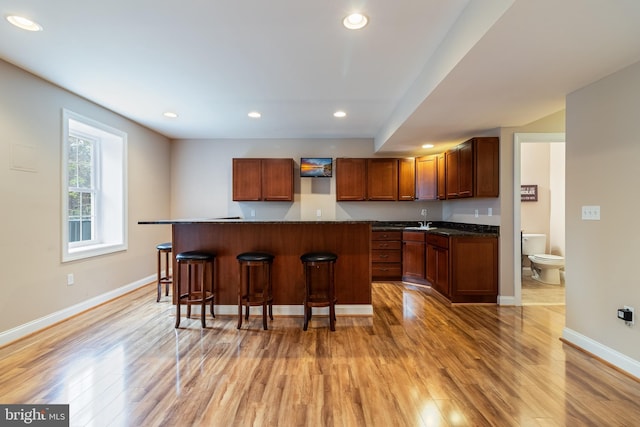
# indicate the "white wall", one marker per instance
pixel 33 280
pixel 557 160
pixel 201 173
pixel 534 170
pixel 543 164
pixel 603 151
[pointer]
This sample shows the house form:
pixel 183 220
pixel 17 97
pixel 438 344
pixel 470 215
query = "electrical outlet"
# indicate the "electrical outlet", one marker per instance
pixel 633 316
pixel 253 212
pixel 70 279
pixel 319 213
pixel 490 212
pixel 423 212
pixel 476 213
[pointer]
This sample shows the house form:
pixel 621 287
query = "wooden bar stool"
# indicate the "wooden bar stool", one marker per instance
pixel 163 248
pixel 319 284
pixel 198 264
pixel 255 289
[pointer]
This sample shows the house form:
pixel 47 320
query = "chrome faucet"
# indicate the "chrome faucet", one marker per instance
pixel 423 212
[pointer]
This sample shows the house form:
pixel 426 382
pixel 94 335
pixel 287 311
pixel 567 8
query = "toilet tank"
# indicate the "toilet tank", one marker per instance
pixel 533 244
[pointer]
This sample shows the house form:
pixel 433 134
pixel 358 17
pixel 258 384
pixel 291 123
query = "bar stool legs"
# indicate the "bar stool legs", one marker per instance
pixel 255 289
pixel 199 265
pixel 166 279
pixel 319 294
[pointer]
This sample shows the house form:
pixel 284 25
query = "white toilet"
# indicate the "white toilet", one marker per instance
pixel 545 268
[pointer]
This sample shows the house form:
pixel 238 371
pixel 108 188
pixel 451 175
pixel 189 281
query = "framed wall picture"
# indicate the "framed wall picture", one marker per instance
pixel 528 193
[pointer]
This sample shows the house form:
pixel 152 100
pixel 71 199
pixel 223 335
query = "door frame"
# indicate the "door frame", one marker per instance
pixel 518 139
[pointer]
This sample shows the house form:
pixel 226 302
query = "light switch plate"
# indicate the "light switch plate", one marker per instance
pixel 591 213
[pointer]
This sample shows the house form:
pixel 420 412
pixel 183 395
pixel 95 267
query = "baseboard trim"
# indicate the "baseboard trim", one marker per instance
pixel 23 330
pixel 36 325
pixel 510 300
pixel 608 355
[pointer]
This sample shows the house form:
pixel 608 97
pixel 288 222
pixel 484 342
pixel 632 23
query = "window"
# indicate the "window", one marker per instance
pixel 81 183
pixel 94 188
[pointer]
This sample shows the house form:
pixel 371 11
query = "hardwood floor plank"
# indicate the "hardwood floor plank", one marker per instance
pixel 416 362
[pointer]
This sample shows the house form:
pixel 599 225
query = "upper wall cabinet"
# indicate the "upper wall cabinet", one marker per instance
pixel 263 180
pixel 384 179
pixel 427 177
pixel 472 169
pixel 351 179
pixel 406 179
pixel 442 177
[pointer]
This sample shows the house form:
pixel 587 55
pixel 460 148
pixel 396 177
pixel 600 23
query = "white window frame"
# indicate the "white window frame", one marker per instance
pixel 110 204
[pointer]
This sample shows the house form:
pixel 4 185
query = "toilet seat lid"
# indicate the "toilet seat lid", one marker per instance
pixel 549 257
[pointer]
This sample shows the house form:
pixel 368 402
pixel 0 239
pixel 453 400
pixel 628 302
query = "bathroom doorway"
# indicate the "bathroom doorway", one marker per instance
pixel 536 157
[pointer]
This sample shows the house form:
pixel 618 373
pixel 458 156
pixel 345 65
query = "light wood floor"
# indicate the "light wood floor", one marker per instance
pixel 416 362
pixel 537 293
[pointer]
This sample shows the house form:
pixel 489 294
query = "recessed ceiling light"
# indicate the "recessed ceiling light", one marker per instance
pixel 254 115
pixel 427 146
pixel 24 23
pixel 355 21
pixel 339 114
pixel 170 114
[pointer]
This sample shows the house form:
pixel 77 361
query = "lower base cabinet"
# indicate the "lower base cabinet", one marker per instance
pixel 413 257
pixel 463 269
pixel 386 255
pixel 438 263
pixel 474 269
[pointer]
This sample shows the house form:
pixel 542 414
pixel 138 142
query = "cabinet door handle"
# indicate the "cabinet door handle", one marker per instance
pixel 384 256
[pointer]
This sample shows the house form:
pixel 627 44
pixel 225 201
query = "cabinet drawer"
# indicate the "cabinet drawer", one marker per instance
pixel 437 240
pixel 386 235
pixel 386 244
pixel 414 236
pixel 385 256
pixel 389 270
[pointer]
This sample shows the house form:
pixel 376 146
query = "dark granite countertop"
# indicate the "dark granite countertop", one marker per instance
pixel 440 227
pixel 236 220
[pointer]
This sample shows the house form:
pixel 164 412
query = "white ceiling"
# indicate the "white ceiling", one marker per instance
pixel 422 71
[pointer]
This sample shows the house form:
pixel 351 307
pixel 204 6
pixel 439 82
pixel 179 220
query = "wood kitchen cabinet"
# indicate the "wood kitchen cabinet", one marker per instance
pixel 474 269
pixel 438 263
pixel 452 181
pixel 427 177
pixel 382 179
pixel 386 255
pixel 351 179
pixel 460 268
pixel 413 257
pixel 406 179
pixel 442 177
pixel 263 179
pixel 472 169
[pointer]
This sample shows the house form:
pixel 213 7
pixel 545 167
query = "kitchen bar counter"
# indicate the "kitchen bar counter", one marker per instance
pixel 287 240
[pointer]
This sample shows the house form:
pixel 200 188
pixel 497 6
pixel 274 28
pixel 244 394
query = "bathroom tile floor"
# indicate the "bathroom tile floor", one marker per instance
pixel 536 293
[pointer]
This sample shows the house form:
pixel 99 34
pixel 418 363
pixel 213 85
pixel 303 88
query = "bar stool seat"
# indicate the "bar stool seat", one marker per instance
pixel 198 292
pixel 254 290
pixel 166 279
pixel 319 285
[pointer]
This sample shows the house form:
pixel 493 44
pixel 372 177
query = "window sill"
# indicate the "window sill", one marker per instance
pixel 74 254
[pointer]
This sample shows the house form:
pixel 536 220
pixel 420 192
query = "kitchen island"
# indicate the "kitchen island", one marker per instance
pixel 286 240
